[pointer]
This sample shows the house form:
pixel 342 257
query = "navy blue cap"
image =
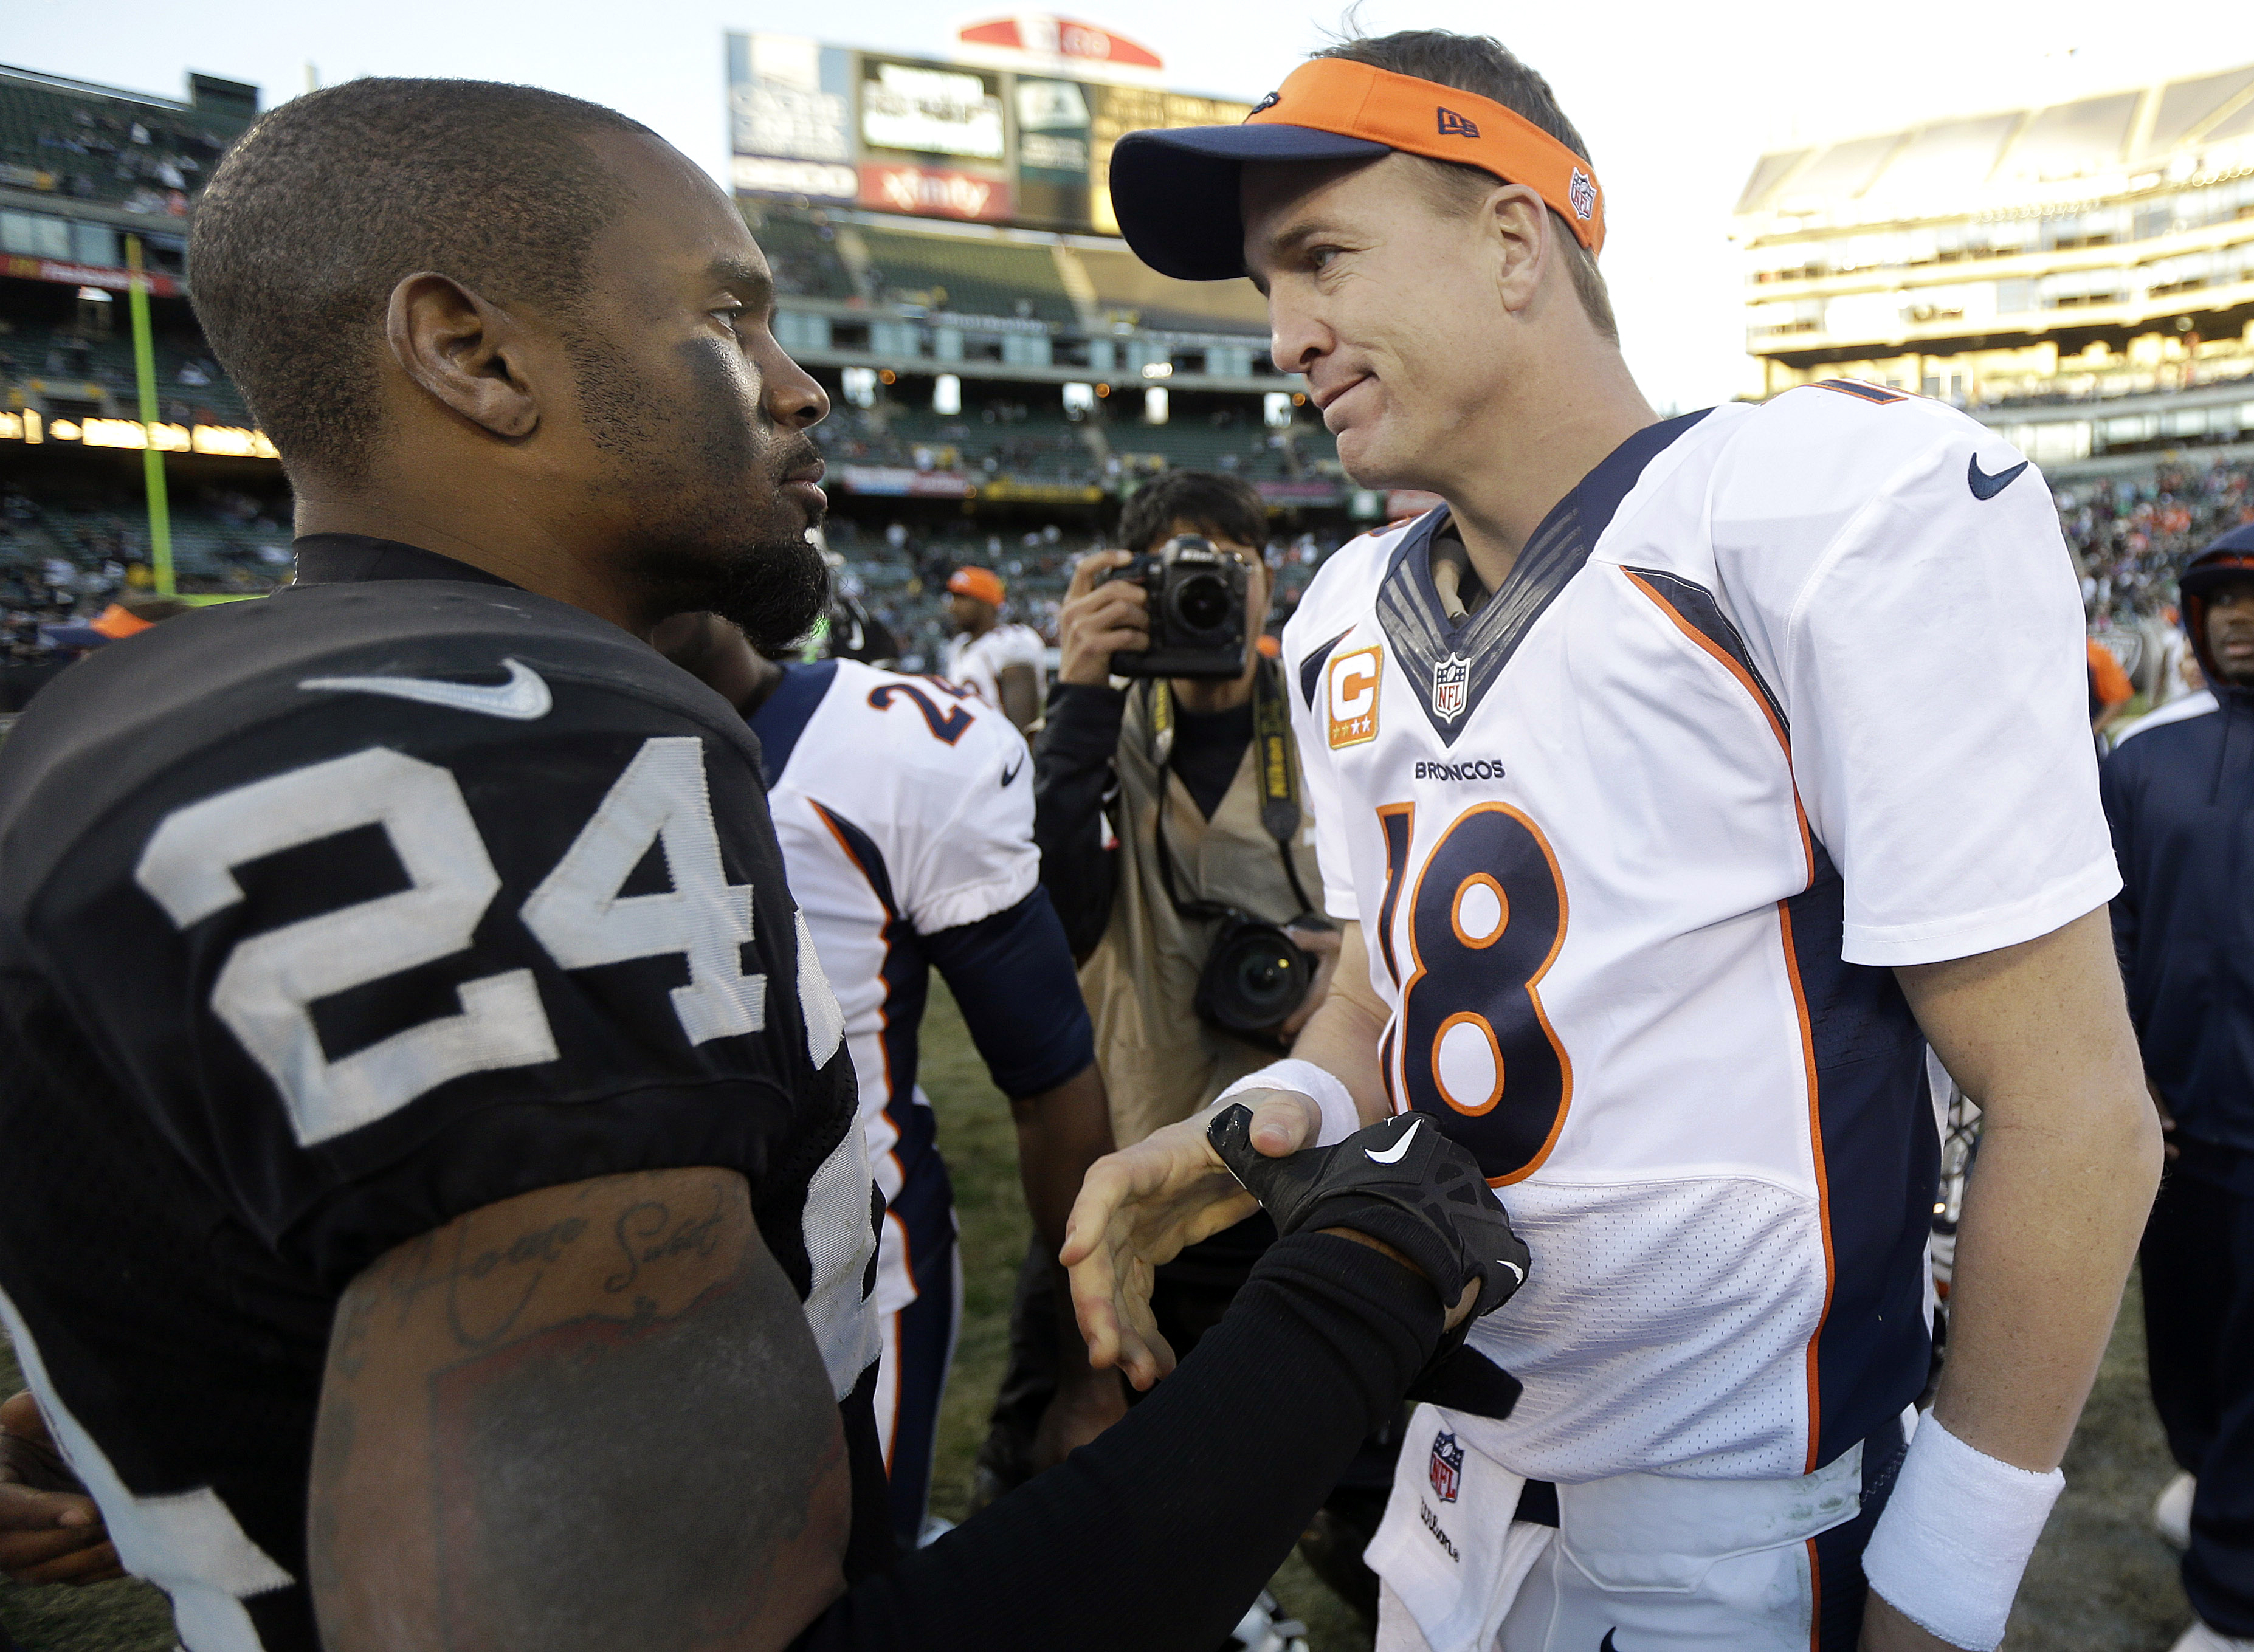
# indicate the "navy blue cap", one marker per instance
pixel 2228 557
pixel 1174 193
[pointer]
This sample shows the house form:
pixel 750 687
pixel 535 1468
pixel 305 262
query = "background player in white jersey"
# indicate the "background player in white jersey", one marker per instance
pixel 1004 665
pixel 1656 899
pixel 905 810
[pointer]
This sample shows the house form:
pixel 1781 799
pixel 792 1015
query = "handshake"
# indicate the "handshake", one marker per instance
pixel 1399 1186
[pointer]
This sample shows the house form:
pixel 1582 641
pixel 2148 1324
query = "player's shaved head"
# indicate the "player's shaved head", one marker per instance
pixel 323 206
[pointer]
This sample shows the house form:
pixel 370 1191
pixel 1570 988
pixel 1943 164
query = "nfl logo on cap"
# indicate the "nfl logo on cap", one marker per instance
pixel 1583 194
pixel 1451 686
pixel 1447 1467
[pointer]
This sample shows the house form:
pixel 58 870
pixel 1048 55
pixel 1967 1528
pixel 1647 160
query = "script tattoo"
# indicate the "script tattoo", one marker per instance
pixel 589 1418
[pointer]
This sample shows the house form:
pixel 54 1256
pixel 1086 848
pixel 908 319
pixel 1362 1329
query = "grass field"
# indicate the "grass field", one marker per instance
pixel 2101 1582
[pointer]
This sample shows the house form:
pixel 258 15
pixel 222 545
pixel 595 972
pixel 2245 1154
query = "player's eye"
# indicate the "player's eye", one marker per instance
pixel 1321 257
pixel 732 315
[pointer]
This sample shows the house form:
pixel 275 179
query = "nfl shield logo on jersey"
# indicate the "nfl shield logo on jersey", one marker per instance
pixel 1447 1467
pixel 1451 686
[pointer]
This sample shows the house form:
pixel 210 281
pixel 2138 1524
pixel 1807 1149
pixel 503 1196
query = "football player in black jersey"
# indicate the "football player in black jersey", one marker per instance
pixel 432 1213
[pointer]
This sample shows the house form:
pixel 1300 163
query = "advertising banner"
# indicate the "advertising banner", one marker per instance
pixel 1052 151
pixel 83 275
pixel 933 192
pixel 790 98
pixel 923 108
pixel 898 481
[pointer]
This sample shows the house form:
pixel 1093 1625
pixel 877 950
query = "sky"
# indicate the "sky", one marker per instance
pixel 1675 100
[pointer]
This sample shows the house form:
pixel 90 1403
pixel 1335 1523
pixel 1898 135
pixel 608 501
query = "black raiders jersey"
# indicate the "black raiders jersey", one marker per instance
pixel 325 920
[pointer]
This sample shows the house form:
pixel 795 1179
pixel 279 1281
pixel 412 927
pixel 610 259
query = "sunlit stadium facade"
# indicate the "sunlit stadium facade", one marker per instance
pixel 2080 274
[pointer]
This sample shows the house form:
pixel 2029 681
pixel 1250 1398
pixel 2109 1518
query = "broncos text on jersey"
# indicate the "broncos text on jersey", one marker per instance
pixel 1634 845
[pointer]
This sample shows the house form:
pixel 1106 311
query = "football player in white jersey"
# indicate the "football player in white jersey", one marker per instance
pixel 1003 665
pixel 917 851
pixel 1653 902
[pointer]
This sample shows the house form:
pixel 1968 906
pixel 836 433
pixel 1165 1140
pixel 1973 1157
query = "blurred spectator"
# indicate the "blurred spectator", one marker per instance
pixel 2179 793
pixel 1004 664
pixel 2110 689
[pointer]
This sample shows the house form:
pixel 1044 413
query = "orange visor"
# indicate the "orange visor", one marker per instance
pixel 1423 118
pixel 1175 192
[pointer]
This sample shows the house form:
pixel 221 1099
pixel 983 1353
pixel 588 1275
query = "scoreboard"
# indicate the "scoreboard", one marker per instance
pixel 1012 135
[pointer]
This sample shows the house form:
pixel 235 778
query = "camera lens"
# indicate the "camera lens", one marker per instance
pixel 1201 602
pixel 1254 978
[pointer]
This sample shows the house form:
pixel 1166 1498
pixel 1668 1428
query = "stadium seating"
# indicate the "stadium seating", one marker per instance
pixel 1125 282
pixel 805 260
pixel 969 276
pixel 87 143
pixel 1241 448
pixel 53 354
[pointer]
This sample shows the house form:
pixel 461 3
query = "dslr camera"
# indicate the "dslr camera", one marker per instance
pixel 1254 977
pixel 1197 611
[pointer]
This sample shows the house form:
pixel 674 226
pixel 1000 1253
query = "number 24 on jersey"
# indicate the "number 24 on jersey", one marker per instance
pixel 265 990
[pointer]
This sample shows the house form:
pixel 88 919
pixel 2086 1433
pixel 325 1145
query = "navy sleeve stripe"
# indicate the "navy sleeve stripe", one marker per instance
pixel 1013 978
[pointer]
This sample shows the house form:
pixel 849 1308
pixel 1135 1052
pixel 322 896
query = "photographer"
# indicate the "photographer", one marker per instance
pixel 1116 763
pixel 1177 848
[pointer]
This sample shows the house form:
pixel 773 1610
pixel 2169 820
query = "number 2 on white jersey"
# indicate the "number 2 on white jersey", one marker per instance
pixel 1487 918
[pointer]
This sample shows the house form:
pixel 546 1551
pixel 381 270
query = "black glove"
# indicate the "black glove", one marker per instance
pixel 1402 1181
pixel 1406 1183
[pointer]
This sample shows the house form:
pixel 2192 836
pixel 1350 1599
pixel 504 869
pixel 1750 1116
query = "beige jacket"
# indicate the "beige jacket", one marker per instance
pixel 1159 1062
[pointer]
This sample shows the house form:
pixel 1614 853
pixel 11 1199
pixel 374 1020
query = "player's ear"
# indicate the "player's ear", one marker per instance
pixel 467 354
pixel 1519 235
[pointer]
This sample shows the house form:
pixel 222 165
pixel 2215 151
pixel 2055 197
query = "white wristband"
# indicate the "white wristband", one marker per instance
pixel 1948 1551
pixel 1340 1117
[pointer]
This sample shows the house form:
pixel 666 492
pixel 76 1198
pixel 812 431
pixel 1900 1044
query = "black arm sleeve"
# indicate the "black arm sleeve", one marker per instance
pixel 1159 1534
pixel 1012 978
pixel 1072 775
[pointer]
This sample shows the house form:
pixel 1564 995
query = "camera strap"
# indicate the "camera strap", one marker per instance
pixel 1280 781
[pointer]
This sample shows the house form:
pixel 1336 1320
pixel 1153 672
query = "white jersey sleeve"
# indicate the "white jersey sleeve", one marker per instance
pixel 969 853
pixel 1901 581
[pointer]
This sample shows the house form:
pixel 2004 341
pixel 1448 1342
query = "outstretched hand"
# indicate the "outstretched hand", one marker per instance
pixel 50 1530
pixel 1139 1207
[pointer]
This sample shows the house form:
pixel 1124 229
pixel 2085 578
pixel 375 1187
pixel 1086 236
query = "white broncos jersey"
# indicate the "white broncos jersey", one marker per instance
pixel 1777 698
pixel 904 807
pixel 976 664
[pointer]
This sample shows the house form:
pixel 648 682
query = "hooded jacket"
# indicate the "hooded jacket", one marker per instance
pixel 2179 793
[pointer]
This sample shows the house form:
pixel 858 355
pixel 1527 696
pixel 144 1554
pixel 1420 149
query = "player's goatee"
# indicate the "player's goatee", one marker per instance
pixel 774 590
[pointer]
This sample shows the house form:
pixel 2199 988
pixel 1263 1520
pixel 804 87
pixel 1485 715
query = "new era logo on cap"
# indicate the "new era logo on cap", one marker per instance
pixel 1455 125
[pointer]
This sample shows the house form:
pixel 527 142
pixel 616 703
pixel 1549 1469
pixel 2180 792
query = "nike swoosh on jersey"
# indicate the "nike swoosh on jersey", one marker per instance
pixel 1606 1645
pixel 521 699
pixel 1009 774
pixel 1984 486
pixel 1392 1155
